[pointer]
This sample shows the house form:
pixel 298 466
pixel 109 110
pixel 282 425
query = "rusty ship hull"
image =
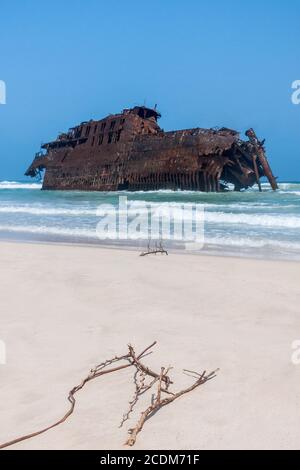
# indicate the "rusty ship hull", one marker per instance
pixel 129 151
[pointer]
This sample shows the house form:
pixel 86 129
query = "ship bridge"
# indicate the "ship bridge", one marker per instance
pixel 145 113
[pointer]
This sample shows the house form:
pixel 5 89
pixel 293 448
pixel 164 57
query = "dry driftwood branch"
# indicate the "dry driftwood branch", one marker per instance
pixel 94 373
pixel 158 402
pixel 158 248
pixel 140 366
pixel 140 389
pixel 142 373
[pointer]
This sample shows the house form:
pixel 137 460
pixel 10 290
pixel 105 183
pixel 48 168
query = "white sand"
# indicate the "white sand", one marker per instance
pixel 66 308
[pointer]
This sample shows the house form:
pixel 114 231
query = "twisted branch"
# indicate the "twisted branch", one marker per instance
pixel 131 359
pixel 158 248
pixel 98 371
pixel 158 403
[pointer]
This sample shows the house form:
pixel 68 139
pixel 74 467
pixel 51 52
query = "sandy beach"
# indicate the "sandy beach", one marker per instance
pixel 66 308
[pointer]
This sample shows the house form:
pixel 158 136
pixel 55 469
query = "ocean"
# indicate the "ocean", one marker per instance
pixel 247 223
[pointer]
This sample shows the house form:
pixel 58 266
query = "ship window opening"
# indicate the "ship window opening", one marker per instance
pixel 103 126
pixel 78 133
pixel 100 140
pixel 141 113
pixel 118 135
pixel 93 141
pixel 112 125
pixel 64 157
pixel 110 137
pixel 149 114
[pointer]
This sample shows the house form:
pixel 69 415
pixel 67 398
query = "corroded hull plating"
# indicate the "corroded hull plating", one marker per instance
pixel 129 151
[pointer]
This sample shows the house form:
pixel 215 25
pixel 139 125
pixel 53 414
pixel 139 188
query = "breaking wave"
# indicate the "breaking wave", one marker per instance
pixel 253 219
pixel 46 211
pixel 17 185
pixel 164 209
pixel 46 230
pixel 243 221
pixel 91 234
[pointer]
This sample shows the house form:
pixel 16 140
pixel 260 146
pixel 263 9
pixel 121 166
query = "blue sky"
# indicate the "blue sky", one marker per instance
pixel 206 63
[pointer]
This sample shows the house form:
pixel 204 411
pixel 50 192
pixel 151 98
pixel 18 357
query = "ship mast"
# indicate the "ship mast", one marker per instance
pixel 261 156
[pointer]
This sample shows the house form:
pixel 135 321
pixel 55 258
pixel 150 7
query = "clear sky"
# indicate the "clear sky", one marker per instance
pixel 204 62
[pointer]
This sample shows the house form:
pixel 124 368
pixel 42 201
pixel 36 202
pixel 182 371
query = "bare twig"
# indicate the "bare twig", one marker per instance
pixel 139 365
pixel 142 372
pixel 94 373
pixel 158 248
pixel 159 403
pixel 140 390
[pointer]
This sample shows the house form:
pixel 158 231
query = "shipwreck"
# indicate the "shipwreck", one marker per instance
pixel 129 151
